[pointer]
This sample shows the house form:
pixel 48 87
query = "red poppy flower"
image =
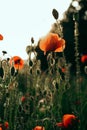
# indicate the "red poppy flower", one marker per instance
pixel 23 98
pixel 17 62
pixel 0 128
pixel 84 58
pixel 6 124
pixel 63 70
pixel 39 128
pixel 1 37
pixel 52 42
pixel 68 120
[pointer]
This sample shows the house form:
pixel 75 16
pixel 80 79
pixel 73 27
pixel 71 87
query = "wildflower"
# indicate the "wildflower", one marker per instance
pixel 1 37
pixel 6 124
pixel 52 42
pixel 84 62
pixel 0 128
pixel 68 121
pixel 23 98
pixel 63 70
pixel 84 58
pixel 18 62
pixel 39 128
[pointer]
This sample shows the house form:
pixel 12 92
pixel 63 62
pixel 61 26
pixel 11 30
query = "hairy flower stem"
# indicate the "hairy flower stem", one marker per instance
pixel 76 42
pixel 60 32
pixel 76 34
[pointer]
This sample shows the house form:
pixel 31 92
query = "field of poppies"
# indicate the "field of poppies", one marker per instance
pixel 34 99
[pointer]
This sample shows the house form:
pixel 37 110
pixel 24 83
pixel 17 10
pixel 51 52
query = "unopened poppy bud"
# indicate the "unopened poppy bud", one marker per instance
pixel 32 40
pixel 8 59
pixel 1 72
pixel 4 52
pixel 55 14
pixel 12 71
pixel 30 63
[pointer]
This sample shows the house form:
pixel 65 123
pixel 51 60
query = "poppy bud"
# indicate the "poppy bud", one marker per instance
pixel 55 13
pixel 38 71
pixel 56 85
pixel 32 40
pixel 12 71
pixel 8 59
pixel 1 72
pixel 30 63
pixel 4 52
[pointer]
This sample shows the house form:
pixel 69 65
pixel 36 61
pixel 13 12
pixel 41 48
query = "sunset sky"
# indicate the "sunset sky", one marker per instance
pixel 22 19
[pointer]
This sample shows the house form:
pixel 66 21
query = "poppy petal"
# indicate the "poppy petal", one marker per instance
pixel 52 42
pixel 61 46
pixel 84 58
pixel 60 124
pixel 67 119
pixel 1 37
pixel 17 62
pixel 39 128
pixel 0 128
pixel 49 42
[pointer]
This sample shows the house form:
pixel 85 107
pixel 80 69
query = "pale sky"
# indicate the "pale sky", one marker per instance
pixel 22 19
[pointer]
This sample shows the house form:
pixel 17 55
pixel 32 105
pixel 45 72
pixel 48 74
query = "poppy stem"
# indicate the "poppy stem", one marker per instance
pixel 77 57
pixel 60 28
pixel 76 42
